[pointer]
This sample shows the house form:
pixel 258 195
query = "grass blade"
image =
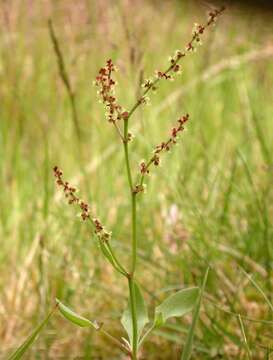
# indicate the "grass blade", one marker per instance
pixel 187 350
pixel 244 338
pixel 30 339
pixel 258 288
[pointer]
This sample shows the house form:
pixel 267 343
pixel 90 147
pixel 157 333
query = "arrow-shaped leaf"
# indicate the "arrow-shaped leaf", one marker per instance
pixel 177 304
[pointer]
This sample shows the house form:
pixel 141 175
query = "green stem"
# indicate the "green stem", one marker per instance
pixel 134 237
pixel 134 316
pixel 125 146
pixel 134 240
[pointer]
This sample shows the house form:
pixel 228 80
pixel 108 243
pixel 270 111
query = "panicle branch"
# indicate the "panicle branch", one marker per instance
pixel 174 67
pixel 106 84
pixel 160 148
pixel 72 198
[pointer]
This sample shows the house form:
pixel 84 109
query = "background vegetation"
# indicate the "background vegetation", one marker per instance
pixel 209 203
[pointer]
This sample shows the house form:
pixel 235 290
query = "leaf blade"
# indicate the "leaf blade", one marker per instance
pixel 178 304
pixel 21 350
pixel 74 317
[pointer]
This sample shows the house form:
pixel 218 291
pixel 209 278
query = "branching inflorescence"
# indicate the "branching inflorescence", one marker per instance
pixel 72 198
pixel 119 117
pixel 164 146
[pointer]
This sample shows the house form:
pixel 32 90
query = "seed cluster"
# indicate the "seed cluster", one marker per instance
pixel 100 231
pixel 106 85
pixel 70 194
pixel 174 67
pixel 164 146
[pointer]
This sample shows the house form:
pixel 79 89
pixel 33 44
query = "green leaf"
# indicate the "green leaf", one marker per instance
pixel 109 255
pixel 142 315
pixel 187 350
pixel 30 339
pixel 75 318
pixel 106 253
pixel 177 304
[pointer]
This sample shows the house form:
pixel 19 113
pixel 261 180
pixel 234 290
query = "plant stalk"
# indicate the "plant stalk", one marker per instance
pixel 134 316
pixel 134 241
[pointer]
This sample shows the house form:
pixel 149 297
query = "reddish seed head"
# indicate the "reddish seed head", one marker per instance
pixel 106 84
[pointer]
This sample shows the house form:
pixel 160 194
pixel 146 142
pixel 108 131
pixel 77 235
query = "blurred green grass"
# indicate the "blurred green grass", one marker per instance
pixel 209 203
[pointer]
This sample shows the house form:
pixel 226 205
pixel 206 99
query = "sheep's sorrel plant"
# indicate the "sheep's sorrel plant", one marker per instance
pixel 135 317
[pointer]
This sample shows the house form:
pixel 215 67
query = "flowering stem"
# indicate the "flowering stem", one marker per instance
pixel 119 131
pixel 134 239
pixel 133 197
pixel 127 161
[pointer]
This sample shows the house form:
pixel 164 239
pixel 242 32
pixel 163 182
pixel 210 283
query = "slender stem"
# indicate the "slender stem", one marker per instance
pixel 134 235
pixel 134 240
pixel 133 197
pixel 134 316
pixel 119 131
pixel 125 146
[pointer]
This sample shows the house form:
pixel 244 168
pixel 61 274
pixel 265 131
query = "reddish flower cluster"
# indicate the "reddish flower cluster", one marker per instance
pixel 74 199
pixel 149 84
pixel 191 46
pixel 214 14
pixel 143 168
pixel 100 231
pixel 199 29
pixel 163 75
pixel 106 84
pixel 164 146
pixel 70 193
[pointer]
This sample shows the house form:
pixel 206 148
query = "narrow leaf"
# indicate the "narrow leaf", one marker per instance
pixel 142 315
pixel 257 286
pixel 249 356
pixel 106 253
pixel 30 339
pixel 186 354
pixel 73 317
pixel 109 255
pixel 177 304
